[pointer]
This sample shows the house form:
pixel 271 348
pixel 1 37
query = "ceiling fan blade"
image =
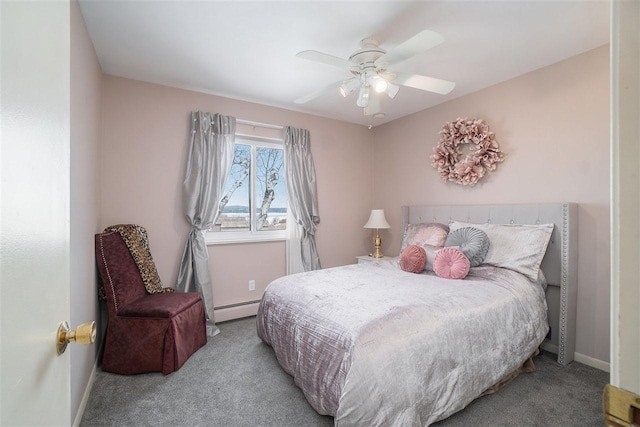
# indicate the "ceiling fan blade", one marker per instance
pixel 316 93
pixel 325 58
pixel 430 84
pixel 419 43
pixel 374 105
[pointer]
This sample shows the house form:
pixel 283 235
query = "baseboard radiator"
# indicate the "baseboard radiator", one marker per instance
pixel 236 311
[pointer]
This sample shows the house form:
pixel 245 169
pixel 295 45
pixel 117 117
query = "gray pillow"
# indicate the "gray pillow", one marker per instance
pixel 473 242
pixel 516 247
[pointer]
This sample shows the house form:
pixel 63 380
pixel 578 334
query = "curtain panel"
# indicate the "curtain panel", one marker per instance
pixel 293 245
pixel 300 175
pixel 209 162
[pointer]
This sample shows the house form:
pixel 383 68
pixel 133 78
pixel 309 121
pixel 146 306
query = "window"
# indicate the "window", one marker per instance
pixel 254 205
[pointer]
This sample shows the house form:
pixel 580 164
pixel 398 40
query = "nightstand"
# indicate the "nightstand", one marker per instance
pixel 366 258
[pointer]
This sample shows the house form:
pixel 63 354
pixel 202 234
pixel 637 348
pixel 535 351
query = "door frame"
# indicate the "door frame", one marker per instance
pixel 625 195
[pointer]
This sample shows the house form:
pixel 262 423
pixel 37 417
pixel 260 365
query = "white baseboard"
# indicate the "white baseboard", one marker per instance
pixel 87 392
pixel 593 362
pixel 579 357
pixel 238 312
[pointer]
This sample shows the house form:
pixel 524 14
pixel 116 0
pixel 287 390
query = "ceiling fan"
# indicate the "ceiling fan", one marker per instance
pixel 369 66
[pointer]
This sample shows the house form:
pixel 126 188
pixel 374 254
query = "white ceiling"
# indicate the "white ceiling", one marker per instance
pixel 246 50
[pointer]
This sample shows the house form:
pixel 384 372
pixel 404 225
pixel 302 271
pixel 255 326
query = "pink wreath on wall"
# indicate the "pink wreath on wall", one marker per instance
pixel 447 154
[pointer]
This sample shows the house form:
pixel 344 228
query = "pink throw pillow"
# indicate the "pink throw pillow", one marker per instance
pixel 413 259
pixel 451 263
pixel 430 233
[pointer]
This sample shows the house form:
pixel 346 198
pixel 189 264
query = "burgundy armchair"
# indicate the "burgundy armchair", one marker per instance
pixel 145 332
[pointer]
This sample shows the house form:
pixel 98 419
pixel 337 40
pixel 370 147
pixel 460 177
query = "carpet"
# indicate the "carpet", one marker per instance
pixel 235 380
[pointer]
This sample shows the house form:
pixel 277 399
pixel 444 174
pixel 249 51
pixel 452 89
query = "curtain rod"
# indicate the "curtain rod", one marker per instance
pixel 258 124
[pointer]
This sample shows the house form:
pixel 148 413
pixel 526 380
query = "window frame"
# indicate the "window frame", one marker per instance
pixel 253 235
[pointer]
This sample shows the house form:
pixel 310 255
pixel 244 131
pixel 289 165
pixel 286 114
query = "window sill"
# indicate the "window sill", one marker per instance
pixel 251 238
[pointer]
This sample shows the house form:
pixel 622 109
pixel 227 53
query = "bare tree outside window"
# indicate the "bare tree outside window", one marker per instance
pixel 264 198
pixel 269 162
pixel 234 206
pixel 239 173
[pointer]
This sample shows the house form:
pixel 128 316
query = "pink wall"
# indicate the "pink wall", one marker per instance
pixel 553 125
pixel 86 82
pixel 145 143
pixel 234 283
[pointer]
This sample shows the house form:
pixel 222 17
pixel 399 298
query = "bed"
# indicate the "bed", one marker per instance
pixel 371 344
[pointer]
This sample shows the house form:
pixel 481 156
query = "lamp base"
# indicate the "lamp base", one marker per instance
pixel 377 243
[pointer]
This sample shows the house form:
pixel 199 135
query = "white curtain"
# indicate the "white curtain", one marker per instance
pixel 300 175
pixel 294 249
pixel 210 159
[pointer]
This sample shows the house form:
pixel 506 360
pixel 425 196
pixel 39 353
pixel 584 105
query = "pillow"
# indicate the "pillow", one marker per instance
pixel 515 247
pixel 428 233
pixel 431 252
pixel 542 280
pixel 413 259
pixel 473 243
pixel 451 263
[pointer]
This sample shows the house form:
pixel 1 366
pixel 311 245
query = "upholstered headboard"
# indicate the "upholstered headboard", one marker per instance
pixel 559 264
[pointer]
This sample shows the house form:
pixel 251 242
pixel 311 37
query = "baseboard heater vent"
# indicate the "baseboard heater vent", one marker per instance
pixel 239 304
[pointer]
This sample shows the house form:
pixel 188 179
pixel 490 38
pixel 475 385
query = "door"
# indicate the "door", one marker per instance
pixel 34 211
pixel 621 398
pixel 625 197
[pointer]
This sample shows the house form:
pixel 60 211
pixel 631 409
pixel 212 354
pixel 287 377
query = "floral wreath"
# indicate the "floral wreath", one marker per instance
pixel 468 171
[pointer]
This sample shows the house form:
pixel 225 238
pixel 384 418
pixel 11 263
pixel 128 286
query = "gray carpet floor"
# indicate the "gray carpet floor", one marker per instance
pixel 235 380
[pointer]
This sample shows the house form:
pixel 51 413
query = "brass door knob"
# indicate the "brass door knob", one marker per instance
pixel 84 334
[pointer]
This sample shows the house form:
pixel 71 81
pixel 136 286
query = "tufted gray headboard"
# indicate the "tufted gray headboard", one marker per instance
pixel 559 263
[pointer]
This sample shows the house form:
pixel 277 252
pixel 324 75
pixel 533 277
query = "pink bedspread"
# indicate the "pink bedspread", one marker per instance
pixel 373 345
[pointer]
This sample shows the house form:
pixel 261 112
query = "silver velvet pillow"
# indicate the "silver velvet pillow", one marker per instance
pixel 516 247
pixel 473 242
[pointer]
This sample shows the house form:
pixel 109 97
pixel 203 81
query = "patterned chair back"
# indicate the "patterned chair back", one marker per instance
pixel 120 275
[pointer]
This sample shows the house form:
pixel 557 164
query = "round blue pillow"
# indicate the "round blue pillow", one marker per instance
pixel 473 242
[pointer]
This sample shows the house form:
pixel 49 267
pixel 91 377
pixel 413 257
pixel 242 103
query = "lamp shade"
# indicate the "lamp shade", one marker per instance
pixel 363 98
pixel 349 86
pixel 392 90
pixel 377 220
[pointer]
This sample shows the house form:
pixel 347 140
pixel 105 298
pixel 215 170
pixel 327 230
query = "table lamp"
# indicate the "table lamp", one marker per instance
pixel 377 221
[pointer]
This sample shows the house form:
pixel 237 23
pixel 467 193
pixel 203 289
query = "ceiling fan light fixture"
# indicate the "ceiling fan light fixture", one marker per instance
pixel 363 97
pixel 380 85
pixel 369 68
pixel 392 90
pixel 348 86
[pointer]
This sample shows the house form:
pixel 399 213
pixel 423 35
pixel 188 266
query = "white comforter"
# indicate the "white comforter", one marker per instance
pixel 373 345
